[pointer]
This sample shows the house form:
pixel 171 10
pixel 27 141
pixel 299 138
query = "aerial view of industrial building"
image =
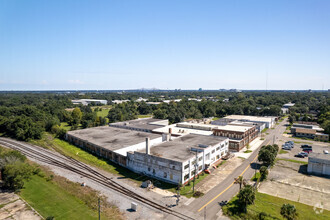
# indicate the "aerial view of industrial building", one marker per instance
pixel 167 152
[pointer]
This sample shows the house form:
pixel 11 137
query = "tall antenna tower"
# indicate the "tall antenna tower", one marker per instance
pixel 266 81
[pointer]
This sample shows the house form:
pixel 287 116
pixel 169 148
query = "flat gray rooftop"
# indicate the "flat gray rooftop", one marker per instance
pixel 112 138
pixel 180 148
pixel 325 158
pixel 146 123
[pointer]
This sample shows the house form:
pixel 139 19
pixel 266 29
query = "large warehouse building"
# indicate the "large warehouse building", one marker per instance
pixel 175 161
pixel 111 143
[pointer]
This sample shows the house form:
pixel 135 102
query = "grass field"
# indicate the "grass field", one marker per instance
pixel 271 205
pixel 103 112
pixel 255 176
pixel 248 151
pixel 187 190
pixel 144 116
pixel 50 200
pixel 283 151
pixel 294 161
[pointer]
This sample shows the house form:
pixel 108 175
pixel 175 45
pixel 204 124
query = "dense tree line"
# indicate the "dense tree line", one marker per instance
pixel 26 115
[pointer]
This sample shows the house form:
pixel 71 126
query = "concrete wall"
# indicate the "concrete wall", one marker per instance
pixel 176 171
pixel 205 158
pixel 156 167
pixel 318 168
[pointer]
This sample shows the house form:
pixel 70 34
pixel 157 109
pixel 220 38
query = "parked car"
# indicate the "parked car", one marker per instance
pixel 306 146
pixel 325 152
pixel 304 154
pixel 291 142
pixel 286 148
pixel 299 155
pixel 307 150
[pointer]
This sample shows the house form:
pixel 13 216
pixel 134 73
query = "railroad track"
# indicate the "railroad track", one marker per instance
pixel 84 170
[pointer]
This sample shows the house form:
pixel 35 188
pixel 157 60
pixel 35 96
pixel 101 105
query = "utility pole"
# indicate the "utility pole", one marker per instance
pixel 196 165
pixel 99 209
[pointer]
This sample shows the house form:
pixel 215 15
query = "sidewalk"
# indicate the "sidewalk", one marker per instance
pixel 253 146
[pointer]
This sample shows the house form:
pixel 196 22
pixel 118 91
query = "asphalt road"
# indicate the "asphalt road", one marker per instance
pixel 210 203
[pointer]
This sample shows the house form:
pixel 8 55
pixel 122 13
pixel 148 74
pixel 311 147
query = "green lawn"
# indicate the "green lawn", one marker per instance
pixel 272 205
pixel 264 130
pixel 283 151
pixel 293 161
pixel 256 176
pixel 50 200
pixel 248 151
pixel 187 190
pixel 103 112
pixel 144 116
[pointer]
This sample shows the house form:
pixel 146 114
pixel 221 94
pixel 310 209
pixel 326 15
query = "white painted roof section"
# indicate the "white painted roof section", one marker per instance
pixel 250 118
pixel 181 131
pixel 234 128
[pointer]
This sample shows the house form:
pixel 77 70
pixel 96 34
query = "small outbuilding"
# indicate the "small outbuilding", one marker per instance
pixel 319 164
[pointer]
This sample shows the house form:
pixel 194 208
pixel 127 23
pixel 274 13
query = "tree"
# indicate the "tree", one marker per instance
pixel 246 196
pixel 267 154
pixel 241 181
pixel 263 172
pixel 289 211
pixel 76 116
pixel 14 175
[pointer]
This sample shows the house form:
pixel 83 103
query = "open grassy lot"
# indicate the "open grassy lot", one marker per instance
pixel 50 200
pixel 103 112
pixel 271 205
pixel 283 151
pixel 187 190
pixel 291 160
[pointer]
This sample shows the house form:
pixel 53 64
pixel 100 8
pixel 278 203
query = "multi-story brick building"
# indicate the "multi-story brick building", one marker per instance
pixel 239 135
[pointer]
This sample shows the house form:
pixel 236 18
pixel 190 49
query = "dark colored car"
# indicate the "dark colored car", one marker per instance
pixel 299 155
pixel 307 150
pixel 306 146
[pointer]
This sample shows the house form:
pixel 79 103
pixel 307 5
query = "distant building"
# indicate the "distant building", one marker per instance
pixel 285 107
pixel 89 101
pixel 309 133
pixel 269 120
pixel 319 164
pixel 119 101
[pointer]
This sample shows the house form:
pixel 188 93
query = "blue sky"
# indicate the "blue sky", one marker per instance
pixel 187 44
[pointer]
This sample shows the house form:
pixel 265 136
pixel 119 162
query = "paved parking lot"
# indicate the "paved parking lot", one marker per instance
pixel 318 147
pixel 285 180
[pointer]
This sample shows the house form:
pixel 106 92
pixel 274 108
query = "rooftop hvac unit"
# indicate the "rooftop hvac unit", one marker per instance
pixel 133 206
